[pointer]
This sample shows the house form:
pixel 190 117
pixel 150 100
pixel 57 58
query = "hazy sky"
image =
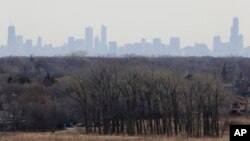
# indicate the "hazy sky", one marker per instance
pixel 127 20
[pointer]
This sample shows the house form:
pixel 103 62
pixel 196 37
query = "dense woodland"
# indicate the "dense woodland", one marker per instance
pixel 131 95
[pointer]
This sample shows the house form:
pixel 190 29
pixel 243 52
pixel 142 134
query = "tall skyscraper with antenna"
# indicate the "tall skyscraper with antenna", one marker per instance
pixel 236 39
pixel 11 36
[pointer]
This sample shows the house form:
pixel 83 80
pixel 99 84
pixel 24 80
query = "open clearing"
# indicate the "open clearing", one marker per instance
pixel 74 135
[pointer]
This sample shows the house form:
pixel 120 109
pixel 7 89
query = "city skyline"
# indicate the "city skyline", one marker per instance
pixel 128 21
pixel 99 45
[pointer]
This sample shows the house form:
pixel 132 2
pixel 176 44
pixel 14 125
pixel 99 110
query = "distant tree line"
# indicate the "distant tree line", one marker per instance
pixel 131 95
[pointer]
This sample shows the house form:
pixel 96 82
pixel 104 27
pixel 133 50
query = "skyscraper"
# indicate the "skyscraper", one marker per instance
pixel 97 42
pixel 19 41
pixel 89 37
pixel 174 43
pixel 236 39
pixel 113 47
pixel 39 42
pixel 157 42
pixel 29 43
pixel 11 36
pixel 104 36
pixel 71 41
pixel 234 29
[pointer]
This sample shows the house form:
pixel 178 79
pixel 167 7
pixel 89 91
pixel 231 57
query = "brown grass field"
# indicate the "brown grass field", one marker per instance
pixel 75 135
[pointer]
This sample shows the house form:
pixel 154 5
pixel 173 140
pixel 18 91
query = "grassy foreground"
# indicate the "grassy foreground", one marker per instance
pixel 74 135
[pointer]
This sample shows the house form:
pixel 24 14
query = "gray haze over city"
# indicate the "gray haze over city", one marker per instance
pixel 120 28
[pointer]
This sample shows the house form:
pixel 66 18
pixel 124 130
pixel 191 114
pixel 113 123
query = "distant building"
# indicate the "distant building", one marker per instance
pixel 78 43
pixel 113 47
pixel 39 42
pixel 236 39
pixel 233 47
pixel 28 44
pixel 174 43
pixel 199 49
pixel 97 42
pixel 174 47
pixel 157 42
pixel 103 36
pixel 11 36
pixel 239 105
pixel 71 41
pixel 89 37
pixel 19 41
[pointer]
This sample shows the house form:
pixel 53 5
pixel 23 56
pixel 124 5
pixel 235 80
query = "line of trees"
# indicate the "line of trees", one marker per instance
pixel 140 100
pixel 29 108
pixel 134 96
